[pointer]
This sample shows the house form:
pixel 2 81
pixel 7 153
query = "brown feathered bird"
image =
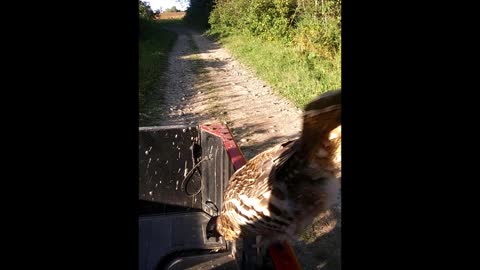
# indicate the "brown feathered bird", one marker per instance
pixel 279 192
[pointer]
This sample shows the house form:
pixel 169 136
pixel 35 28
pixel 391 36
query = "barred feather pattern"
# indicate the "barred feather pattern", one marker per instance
pixel 279 192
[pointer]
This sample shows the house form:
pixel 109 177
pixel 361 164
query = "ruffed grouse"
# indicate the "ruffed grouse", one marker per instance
pixel 279 192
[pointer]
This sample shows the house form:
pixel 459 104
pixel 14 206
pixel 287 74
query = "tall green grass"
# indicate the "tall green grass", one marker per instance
pixel 296 76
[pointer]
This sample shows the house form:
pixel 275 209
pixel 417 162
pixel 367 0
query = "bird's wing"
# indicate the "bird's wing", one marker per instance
pixel 321 116
pixel 249 200
pixel 281 188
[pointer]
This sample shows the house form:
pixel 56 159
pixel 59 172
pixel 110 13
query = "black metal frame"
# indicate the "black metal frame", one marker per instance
pixel 183 173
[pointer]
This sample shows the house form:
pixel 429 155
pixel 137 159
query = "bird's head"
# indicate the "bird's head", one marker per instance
pixel 211 228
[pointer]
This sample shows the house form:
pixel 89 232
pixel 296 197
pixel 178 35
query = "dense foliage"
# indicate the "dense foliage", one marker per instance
pixel 311 26
pixel 198 13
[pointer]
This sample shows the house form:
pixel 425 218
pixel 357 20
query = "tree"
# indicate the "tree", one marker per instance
pixel 144 10
pixel 172 9
pixel 198 12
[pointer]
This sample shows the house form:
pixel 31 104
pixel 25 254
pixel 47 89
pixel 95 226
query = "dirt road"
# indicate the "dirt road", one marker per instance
pixel 205 84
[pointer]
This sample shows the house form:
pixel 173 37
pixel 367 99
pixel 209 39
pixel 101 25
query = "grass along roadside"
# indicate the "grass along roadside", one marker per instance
pixel 154 45
pixel 297 77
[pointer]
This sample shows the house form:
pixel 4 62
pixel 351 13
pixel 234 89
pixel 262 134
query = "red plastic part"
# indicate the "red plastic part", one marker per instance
pixel 236 156
pixel 283 257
